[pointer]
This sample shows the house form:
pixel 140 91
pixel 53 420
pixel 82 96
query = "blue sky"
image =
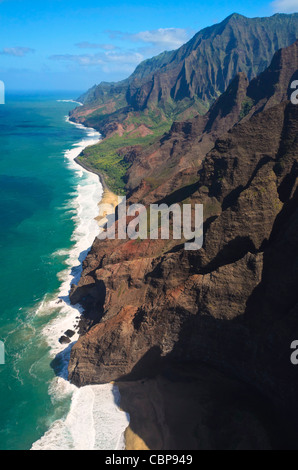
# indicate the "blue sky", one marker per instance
pixel 71 44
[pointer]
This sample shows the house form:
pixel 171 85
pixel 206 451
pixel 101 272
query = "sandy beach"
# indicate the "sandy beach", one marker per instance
pixel 108 196
pixel 101 424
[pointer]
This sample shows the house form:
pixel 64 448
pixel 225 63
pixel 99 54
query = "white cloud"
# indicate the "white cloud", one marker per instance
pixel 127 58
pixel 168 37
pixel 88 45
pixel 83 59
pixel 16 51
pixel 285 6
pixel 162 38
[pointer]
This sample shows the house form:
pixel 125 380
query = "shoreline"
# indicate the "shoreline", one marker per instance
pixel 130 440
pixel 178 409
pixel 90 169
pixel 105 429
pixel 89 195
pixel 108 196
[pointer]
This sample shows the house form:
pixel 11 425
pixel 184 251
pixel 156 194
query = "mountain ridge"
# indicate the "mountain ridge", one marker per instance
pixel 151 302
pixel 152 309
pixel 180 85
pixel 230 32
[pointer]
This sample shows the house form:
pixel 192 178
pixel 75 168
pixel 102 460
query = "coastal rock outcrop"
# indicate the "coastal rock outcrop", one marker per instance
pixel 233 304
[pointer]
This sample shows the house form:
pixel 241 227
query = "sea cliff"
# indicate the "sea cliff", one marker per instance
pixel 150 306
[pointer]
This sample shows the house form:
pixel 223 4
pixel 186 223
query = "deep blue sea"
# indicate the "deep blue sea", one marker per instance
pixel 47 210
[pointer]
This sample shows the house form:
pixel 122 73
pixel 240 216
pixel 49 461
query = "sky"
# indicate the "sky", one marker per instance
pixel 74 44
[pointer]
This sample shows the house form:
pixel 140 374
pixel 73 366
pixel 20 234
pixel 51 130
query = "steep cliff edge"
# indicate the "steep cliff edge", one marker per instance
pixel 194 75
pixel 233 304
pixel 176 86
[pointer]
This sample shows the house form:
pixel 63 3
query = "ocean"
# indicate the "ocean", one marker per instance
pixel 47 208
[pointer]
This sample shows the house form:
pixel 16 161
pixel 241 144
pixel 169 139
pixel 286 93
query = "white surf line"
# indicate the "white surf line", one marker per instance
pixel 94 422
pixel 70 101
pixel 93 408
pixel 85 205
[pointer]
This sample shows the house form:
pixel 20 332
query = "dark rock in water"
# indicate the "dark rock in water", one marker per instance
pixel 64 340
pixel 223 304
pixel 69 333
pixel 233 305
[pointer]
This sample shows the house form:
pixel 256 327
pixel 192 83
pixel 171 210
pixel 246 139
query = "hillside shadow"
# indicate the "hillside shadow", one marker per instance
pixel 196 407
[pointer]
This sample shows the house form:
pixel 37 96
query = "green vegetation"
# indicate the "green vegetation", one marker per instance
pixel 246 106
pixel 185 109
pixel 177 85
pixel 112 167
pixel 106 157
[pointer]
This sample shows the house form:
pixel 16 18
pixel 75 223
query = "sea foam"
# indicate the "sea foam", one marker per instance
pixel 85 207
pixel 94 421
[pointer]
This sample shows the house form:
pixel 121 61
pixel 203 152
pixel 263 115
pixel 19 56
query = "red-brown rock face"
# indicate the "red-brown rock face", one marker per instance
pixel 234 303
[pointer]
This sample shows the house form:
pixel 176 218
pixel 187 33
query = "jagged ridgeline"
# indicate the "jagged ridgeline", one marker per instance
pixel 180 83
pixel 232 306
pixel 176 86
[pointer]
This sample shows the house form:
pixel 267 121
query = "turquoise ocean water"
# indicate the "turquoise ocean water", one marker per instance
pixel 47 210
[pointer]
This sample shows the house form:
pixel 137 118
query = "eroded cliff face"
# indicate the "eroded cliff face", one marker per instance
pixel 234 303
pixel 187 80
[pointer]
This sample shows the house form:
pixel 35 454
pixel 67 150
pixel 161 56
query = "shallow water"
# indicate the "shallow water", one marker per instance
pixel 47 210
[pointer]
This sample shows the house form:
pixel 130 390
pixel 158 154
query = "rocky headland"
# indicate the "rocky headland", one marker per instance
pixel 220 319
